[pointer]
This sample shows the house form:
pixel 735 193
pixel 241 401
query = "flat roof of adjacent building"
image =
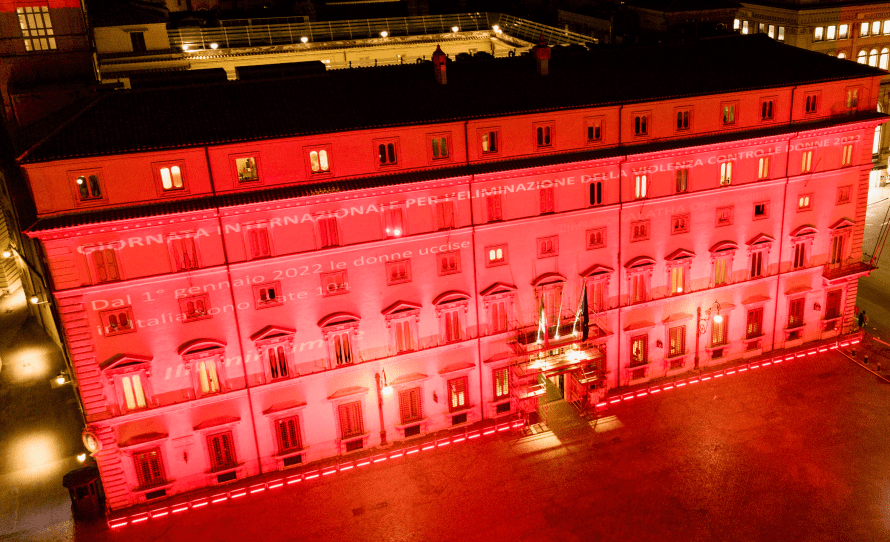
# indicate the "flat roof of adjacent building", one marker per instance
pixel 126 121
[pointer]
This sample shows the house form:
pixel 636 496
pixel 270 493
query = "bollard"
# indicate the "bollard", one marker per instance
pixel 879 366
pixel 865 359
pixel 853 353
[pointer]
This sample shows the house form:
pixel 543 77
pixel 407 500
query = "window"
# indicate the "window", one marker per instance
pixel 334 283
pixel 490 143
pixel 257 237
pixel 386 153
pixel 640 186
pixel 876 142
pixel 276 359
pixel 118 321
pixel 398 271
pixel 721 270
pixel 819 33
pixel 725 216
pixel 195 307
pixel 104 264
pixel 639 350
pixel 771 32
pixel 678 279
pixel 718 331
pixel 328 232
pixel 799 256
pixel 288 431
pixel 763 168
pixel 594 130
pixel 494 203
pixel 448 263
pixel 873 58
pixel 761 210
pixel 736 24
pixel 729 114
pixel 445 215
pixel 682 120
pixel 498 315
pixel 207 376
pixel 831 33
pixel 88 187
pixel 745 27
pixel 134 395
pixel 341 346
pixel 268 294
pixel 836 255
pixel 863 30
pixel 682 184
pixel 887 27
pixel 598 293
pixel 351 423
pixel 497 255
pixel 547 196
pixel 222 451
pixel 812 102
pixel 804 202
pixel 37 28
pixel 725 173
pixel 171 177
pixel 676 341
pixel 852 98
pixel 754 327
pixel 761 28
pixel 638 289
pixel 843 194
pixel 440 147
pixel 847 155
pixel 543 135
pixel 246 169
pixel 833 304
pixel 806 162
pixel 862 58
pixel 501 382
pixel 641 125
pixel 876 28
pixel 766 110
pixel 457 394
pixel 548 246
pixel 596 193
pixel 884 58
pixel 639 230
pixel 319 161
pixel 183 252
pixel 842 55
pixel 756 264
pixel 843 32
pixel 409 406
pixel 596 238
pixel 795 312
pixel 404 335
pixel 781 36
pixel 149 469
pixel 393 219
pixel 679 224
pixel 453 328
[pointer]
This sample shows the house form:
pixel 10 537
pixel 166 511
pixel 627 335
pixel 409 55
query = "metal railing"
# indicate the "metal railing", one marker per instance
pixel 287 31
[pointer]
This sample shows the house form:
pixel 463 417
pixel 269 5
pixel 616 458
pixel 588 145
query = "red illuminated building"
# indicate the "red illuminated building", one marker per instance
pixel 236 265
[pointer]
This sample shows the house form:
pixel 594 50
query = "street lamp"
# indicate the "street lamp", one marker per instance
pixel 702 324
pixel 384 34
pixel 383 388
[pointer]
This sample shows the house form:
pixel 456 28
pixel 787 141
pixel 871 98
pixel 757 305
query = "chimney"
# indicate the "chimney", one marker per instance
pixel 439 58
pixel 542 56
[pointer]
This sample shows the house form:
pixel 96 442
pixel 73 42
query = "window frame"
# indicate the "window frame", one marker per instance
pixel 680 223
pixel 844 195
pixel 805 202
pixel 394 218
pixel 307 159
pixel 86 174
pixel 498 141
pixel 431 151
pixel 680 334
pixel 732 108
pixel 400 278
pixel 494 200
pixel 489 262
pixel 260 303
pixel 220 464
pixel 640 124
pixel 194 316
pixel 641 186
pixel 343 288
pixel 236 174
pixel 548 246
pixel 158 167
pixel 325 224
pixel 184 241
pixel 448 270
pixel 811 103
pixel 681 180
pixel 725 177
pixel 641 234
pixel 596 193
pixel 111 328
pixel 461 385
pixel 114 249
pixel 248 232
pixel 392 156
pixel 724 216
pixel 683 123
pixel 591 235
pixel 141 465
pixel 768 108
pixel 763 165
pixel 590 124
pixel 765 213
pixel 544 141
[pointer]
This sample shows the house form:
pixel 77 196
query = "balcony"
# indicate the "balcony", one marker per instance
pixel 849 268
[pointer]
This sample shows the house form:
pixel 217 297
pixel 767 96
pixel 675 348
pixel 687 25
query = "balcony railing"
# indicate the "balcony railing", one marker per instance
pixel 847 267
pixel 287 31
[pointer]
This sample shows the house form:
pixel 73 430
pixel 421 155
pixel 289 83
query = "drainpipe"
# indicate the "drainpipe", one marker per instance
pixel 620 281
pixel 478 338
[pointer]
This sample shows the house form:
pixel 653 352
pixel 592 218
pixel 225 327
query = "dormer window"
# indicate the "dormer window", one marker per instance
pixel 246 169
pixel 87 186
pixel 543 135
pixel 170 177
pixel 387 152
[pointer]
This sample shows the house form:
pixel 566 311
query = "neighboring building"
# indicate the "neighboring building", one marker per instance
pixel 857 31
pixel 235 264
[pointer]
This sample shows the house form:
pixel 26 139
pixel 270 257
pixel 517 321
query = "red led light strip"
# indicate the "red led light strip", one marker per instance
pixel 118 522
pixel 726 372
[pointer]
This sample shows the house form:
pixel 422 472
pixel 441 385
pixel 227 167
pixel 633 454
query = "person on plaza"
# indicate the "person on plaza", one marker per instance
pixel 862 319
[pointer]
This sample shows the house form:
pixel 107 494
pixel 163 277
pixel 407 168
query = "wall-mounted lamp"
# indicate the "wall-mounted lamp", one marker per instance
pixel 81 457
pixel 304 39
pixel 455 29
pixel 214 46
pixel 386 389
pixel 817 307
pixel 36 300
pixel 384 34
pixel 496 29
pixel 659 344
pixel 7 253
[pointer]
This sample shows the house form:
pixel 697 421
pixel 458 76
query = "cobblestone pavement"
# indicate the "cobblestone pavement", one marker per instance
pixel 792 452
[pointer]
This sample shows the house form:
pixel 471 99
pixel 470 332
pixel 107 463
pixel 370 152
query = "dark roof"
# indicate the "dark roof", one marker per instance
pixel 675 6
pixel 363 183
pixel 124 12
pixel 341 100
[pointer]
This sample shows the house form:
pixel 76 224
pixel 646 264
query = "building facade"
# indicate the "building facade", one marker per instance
pixel 238 284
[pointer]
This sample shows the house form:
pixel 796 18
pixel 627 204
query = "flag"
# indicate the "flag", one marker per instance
pixel 542 326
pixel 585 315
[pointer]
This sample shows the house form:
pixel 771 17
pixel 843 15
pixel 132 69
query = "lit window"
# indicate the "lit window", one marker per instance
pixel 394 223
pixel 676 341
pixel 497 255
pixel 725 173
pixel 457 394
pixel 842 55
pixel 736 24
pixel 440 147
pixel 721 270
pixel 37 28
pixel 171 178
pixel 806 161
pixel 246 168
pixel 772 31
pixel 819 34
pixel 830 32
pixel 134 395
pixel 863 57
pixel 318 160
pixel 718 331
pixel 761 28
pixel 678 279
pixel 873 58
pixel 207 376
pixel 884 59
pixel 781 35
pixel 639 350
pixel 682 180
pixel 501 382
pixel 804 202
pixel 876 28
pixel 763 168
pixel 847 155
pixel 490 141
pixel 640 186
pixel 88 187
pixel 852 98
pixel 729 114
pixel 744 27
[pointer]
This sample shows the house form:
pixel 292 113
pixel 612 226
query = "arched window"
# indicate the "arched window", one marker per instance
pixel 842 55
pixel 873 57
pixel 885 58
pixel 862 57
